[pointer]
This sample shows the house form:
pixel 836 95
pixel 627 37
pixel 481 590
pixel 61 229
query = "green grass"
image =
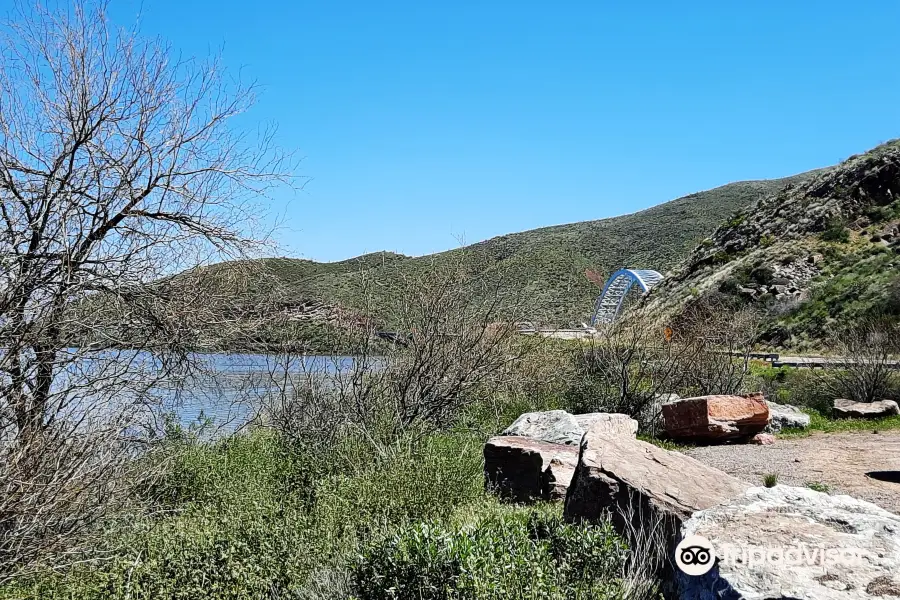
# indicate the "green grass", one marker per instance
pixel 770 480
pixel 666 444
pixel 822 424
pixel 251 517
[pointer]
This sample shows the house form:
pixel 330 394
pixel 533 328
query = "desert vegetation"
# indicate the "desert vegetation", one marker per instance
pixel 364 480
pixel 126 245
pixel 638 362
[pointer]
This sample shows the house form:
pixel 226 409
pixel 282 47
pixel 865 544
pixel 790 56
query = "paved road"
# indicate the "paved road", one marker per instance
pixel 823 362
pixel 809 362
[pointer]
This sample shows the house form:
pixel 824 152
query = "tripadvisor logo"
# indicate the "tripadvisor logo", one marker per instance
pixel 694 555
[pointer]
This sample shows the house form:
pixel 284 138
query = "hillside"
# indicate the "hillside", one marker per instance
pixel 545 266
pixel 816 256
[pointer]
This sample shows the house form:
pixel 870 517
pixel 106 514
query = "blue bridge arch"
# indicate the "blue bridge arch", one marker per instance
pixel 609 303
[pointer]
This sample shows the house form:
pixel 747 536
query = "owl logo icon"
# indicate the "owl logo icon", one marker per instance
pixel 694 555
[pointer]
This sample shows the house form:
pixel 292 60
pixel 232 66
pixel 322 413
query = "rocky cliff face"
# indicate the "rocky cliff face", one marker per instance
pixel 814 254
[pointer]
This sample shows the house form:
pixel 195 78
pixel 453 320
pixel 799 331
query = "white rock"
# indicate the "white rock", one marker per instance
pixel 786 415
pixel 560 427
pixel 553 426
pixel 788 520
pixel 848 409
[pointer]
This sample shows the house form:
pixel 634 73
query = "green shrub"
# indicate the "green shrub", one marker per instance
pixel 736 221
pixel 204 553
pixel 230 526
pixel 508 553
pixel 248 517
pixel 411 483
pixel 836 231
pixel 762 274
pixel 786 385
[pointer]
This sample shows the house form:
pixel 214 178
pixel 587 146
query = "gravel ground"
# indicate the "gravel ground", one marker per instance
pixel 839 460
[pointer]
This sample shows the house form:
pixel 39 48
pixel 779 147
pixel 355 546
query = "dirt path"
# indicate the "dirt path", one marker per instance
pixel 839 460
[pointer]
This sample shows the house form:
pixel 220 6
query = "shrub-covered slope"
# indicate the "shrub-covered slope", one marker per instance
pixel 544 267
pixel 818 255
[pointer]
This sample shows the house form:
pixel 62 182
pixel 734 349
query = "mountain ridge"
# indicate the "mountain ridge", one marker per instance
pixel 546 265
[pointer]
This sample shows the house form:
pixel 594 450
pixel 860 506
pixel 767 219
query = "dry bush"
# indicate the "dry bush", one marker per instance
pixel 716 341
pixel 118 169
pixel 439 344
pixel 870 372
pixel 631 366
pixel 627 368
pixel 649 554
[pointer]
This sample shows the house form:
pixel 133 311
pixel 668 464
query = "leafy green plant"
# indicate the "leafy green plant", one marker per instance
pixel 770 480
pixel 507 553
pixel 836 231
pixel 818 486
pixel 736 221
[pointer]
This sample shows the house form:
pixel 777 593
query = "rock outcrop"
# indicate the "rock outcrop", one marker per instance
pixel 771 253
pixel 560 427
pixel 785 415
pixel 716 418
pixel 641 485
pixel 535 457
pixel 848 409
pixel 795 543
pixel 514 467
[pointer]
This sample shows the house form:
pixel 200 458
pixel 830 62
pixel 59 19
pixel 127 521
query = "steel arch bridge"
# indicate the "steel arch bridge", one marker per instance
pixel 609 303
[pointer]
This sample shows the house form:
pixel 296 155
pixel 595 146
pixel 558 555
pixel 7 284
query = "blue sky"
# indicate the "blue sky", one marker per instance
pixel 425 123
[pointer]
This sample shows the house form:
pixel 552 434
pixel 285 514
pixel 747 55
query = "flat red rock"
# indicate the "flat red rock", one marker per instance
pixel 714 418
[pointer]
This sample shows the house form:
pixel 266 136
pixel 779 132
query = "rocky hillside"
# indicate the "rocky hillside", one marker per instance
pixel 817 255
pixel 545 267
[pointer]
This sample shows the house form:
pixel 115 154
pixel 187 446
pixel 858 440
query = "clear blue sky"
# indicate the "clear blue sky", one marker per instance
pixel 425 122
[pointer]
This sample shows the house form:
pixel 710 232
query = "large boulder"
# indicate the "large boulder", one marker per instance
pixel 716 418
pixel 795 528
pixel 553 426
pixel 640 485
pixel 514 467
pixel 848 409
pixel 560 427
pixel 557 476
pixel 652 415
pixel 535 457
pixel 785 415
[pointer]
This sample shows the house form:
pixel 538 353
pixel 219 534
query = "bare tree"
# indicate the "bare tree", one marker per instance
pixel 118 169
pixel 422 351
pixel 717 340
pixel 870 372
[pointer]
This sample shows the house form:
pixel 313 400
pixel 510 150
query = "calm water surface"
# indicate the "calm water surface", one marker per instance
pixel 230 388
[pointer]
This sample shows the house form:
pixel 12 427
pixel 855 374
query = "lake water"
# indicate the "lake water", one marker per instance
pixel 228 389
